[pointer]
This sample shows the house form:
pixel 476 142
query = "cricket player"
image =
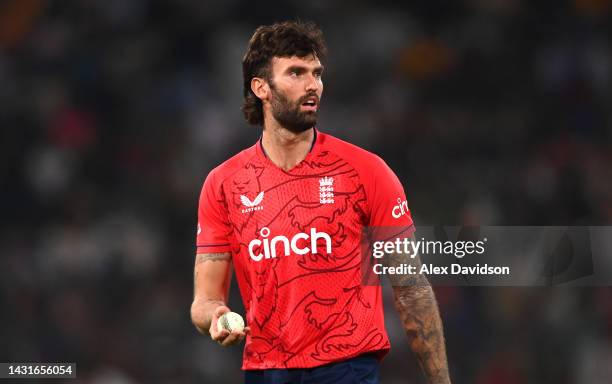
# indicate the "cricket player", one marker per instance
pixel 287 215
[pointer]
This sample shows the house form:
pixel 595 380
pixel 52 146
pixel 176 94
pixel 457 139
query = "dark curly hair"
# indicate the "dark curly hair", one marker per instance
pixel 286 39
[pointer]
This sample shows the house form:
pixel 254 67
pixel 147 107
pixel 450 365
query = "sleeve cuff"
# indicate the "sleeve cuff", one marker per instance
pixel 213 248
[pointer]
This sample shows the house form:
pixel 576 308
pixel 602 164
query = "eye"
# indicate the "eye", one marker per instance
pixel 293 74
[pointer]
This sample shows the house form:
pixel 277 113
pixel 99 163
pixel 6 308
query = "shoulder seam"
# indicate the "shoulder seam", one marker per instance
pixel 236 170
pixel 361 179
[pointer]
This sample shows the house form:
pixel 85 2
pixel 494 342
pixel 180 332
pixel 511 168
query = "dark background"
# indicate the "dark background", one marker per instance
pixel 112 112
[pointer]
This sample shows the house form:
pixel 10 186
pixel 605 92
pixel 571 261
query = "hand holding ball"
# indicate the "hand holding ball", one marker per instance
pixel 228 329
pixel 230 321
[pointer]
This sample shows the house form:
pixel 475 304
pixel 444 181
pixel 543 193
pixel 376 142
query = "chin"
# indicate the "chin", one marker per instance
pixel 300 129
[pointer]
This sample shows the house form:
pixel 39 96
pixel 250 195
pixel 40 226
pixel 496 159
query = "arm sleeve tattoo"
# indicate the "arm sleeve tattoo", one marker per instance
pixel 416 303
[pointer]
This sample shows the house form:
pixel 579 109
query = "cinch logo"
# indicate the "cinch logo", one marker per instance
pixel 400 209
pixel 289 245
pixel 252 205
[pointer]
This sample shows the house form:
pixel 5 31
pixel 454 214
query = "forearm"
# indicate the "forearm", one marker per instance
pixel 211 284
pixel 418 310
pixel 416 304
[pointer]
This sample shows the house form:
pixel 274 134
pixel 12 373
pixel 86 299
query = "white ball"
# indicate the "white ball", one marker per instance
pixel 230 321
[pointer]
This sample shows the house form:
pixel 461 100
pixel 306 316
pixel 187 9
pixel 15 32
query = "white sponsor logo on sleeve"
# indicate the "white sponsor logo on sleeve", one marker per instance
pixel 400 209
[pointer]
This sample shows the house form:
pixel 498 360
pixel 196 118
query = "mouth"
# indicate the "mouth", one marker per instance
pixel 311 104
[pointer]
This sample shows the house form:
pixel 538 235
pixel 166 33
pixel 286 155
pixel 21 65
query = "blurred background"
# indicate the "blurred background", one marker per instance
pixel 112 113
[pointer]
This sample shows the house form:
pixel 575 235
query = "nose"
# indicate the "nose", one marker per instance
pixel 312 84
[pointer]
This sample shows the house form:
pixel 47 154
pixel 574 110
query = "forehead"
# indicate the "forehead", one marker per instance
pixel 282 63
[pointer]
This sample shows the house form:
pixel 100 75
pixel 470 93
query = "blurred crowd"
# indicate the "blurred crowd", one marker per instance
pixel 113 112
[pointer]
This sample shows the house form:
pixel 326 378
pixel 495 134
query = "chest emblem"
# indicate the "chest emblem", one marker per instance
pixel 326 190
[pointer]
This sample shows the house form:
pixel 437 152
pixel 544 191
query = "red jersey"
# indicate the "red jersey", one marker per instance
pixel 295 239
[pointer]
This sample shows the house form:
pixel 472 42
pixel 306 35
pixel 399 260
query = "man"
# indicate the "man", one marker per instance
pixel 288 213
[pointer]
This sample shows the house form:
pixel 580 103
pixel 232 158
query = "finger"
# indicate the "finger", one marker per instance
pixel 229 340
pixel 220 310
pixel 240 336
pixel 234 338
pixel 220 335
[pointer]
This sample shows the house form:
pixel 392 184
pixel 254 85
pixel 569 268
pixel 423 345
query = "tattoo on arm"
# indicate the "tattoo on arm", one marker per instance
pixel 221 256
pixel 416 303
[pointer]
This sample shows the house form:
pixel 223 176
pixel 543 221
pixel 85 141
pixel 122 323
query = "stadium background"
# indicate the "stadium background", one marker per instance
pixel 112 112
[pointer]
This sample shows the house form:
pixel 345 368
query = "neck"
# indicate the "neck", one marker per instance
pixel 285 148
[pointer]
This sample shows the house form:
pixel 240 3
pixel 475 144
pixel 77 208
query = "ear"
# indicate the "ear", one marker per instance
pixel 260 88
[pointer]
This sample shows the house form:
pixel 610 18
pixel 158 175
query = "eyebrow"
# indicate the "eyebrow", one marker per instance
pixel 300 68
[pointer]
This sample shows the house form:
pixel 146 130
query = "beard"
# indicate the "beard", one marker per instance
pixel 289 115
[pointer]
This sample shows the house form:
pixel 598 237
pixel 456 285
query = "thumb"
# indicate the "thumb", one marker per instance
pixel 220 310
